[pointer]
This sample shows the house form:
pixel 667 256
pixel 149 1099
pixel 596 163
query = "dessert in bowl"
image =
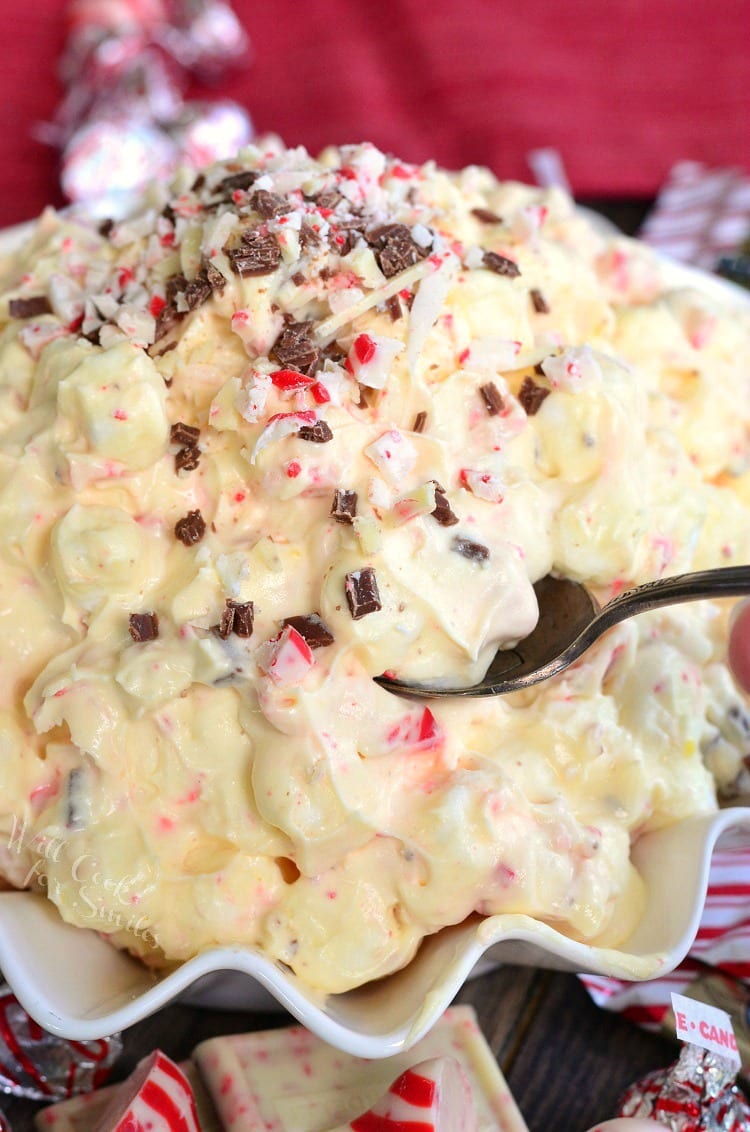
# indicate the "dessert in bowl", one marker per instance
pixel 296 423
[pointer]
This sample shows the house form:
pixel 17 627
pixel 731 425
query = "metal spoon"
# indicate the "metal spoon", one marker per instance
pixel 570 620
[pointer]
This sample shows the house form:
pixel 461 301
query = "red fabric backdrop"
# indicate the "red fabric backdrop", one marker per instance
pixel 623 89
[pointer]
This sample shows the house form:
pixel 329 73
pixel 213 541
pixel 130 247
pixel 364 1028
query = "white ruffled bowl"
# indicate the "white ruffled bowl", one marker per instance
pixel 75 984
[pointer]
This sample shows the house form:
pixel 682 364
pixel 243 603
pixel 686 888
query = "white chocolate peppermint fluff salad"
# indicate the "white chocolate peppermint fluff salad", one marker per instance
pixel 294 424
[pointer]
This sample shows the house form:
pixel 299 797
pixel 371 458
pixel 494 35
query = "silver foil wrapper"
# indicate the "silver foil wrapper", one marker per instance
pixel 696 1094
pixel 124 119
pixel 44 1067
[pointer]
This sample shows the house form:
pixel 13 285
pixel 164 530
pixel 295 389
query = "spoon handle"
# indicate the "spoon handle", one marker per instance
pixel 726 581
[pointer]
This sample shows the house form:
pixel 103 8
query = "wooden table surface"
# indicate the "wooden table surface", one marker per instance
pixel 567 1061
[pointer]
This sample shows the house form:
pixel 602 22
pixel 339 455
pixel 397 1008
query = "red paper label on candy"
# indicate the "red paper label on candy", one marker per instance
pixel 705 1026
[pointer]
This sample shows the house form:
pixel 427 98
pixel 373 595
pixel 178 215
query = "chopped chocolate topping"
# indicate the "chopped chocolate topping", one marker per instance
pixel 319 433
pixel 269 204
pixel 176 284
pixel 486 216
pixel 187 459
pixel 492 398
pixel 143 627
pixel 106 227
pixel 73 790
pixel 538 301
pixel 198 183
pixel 191 528
pixel 395 248
pixel 474 551
pixel 169 213
pixel 362 595
pixel 295 349
pixel 298 279
pixel 181 433
pixel 198 292
pixel 29 308
pixel 419 421
pixel 501 265
pixel 443 512
pixel 234 181
pixel 312 628
pixel 344 506
pixel 531 396
pixel 167 319
pixel 328 198
pixel 343 236
pixel 394 308
pixel 237 617
pixel 214 277
pixel 258 254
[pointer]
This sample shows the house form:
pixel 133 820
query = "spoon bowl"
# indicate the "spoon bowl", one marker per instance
pixel 570 620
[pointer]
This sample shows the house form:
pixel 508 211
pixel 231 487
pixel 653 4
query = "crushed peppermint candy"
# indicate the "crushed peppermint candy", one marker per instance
pixel 394 454
pixel 286 658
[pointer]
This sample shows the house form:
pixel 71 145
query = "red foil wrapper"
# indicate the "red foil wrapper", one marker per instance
pixel 43 1067
pixel 124 120
pixel 696 1094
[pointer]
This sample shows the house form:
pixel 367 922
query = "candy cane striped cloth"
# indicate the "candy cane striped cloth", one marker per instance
pixel 722 946
pixel 700 215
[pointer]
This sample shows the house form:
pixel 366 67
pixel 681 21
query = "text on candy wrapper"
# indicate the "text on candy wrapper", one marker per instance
pixel 705 1026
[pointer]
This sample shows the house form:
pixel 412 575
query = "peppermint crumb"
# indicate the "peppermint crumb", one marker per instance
pixel 29 308
pixel 419 421
pixel 531 396
pixel 312 628
pixel 538 301
pixel 474 551
pixel 344 507
pixel 184 434
pixel 501 265
pixel 319 433
pixel 492 398
pixel 486 216
pixel 362 596
pixel 238 617
pixel 443 512
pixel 143 627
pixel 190 529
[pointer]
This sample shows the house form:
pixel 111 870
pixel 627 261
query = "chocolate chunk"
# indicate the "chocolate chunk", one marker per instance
pixel 419 421
pixel 73 792
pixel 343 236
pixel 143 627
pixel 198 183
pixel 344 506
pixel 166 320
pixel 269 204
pixel 181 433
pixel 29 308
pixel 175 286
pixel 106 227
pixel 198 291
pixel 312 628
pixel 486 216
pixel 319 433
pixel 187 459
pixel 492 398
pixel 191 528
pixel 362 595
pixel 298 279
pixel 214 277
pixel 395 248
pixel 538 301
pixel 474 551
pixel 328 198
pixel 258 254
pixel 443 512
pixel 238 617
pixel 235 181
pixel 394 308
pixel 501 265
pixel 295 349
pixel 531 396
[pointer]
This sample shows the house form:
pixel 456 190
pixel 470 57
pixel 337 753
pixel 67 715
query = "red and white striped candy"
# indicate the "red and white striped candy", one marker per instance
pixel 433 1096
pixel 287 658
pixel 157 1096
